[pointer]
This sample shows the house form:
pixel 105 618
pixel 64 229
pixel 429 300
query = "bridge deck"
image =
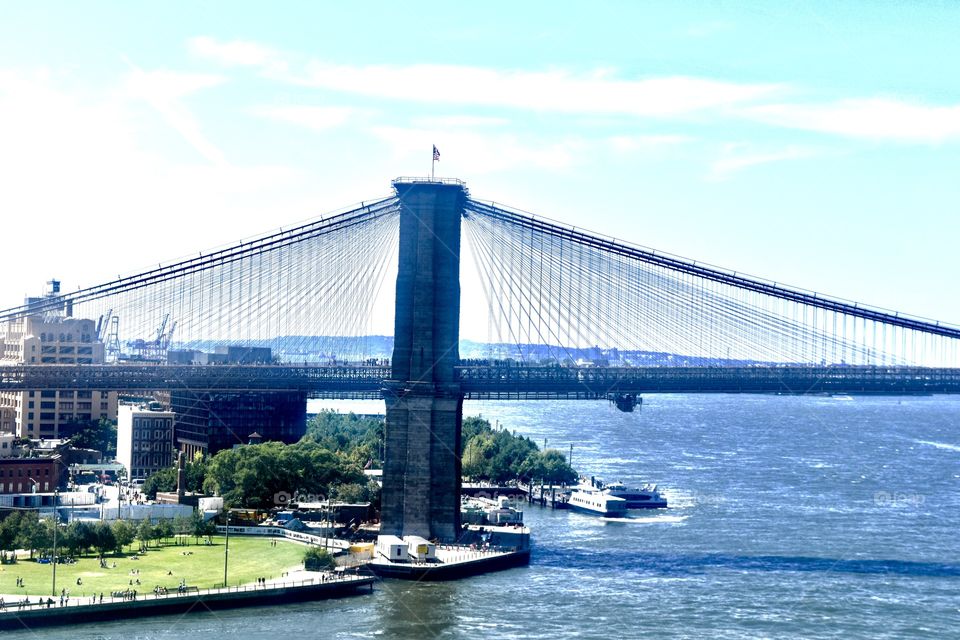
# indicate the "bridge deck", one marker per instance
pixel 490 381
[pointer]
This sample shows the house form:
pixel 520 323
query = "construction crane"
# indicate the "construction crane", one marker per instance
pixel 102 323
pixel 156 349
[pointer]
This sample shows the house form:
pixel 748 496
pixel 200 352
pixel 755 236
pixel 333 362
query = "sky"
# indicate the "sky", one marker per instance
pixel 815 144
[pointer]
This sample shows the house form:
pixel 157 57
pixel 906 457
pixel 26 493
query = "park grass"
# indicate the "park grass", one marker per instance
pixel 250 558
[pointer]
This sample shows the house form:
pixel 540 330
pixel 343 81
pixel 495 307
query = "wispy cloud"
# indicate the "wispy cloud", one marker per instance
pixel 629 144
pixel 312 117
pixel 875 119
pixel 163 90
pixel 447 122
pixel 547 91
pixel 736 157
pixel 600 92
pixel 554 90
pixel 234 52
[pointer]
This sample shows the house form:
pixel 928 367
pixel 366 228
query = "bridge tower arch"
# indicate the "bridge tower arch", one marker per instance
pixel 424 401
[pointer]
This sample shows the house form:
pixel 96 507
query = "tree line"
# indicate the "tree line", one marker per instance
pixel 327 462
pixel 26 530
pixel 497 455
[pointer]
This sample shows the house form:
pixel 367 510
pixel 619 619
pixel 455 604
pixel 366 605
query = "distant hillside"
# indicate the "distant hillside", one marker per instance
pixel 355 348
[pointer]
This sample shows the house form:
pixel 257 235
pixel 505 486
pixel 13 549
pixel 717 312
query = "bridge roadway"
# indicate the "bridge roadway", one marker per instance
pixel 490 381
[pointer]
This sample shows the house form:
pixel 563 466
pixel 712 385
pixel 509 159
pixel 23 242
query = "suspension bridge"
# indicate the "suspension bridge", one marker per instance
pixel 569 314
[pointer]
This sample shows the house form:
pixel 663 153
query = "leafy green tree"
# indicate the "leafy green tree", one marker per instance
pixel 163 480
pixel 78 537
pixel 318 559
pixel 549 467
pixel 202 527
pixel 182 526
pixel 104 538
pixel 494 455
pixel 10 532
pixel 145 533
pixel 33 534
pixel 40 537
pixel 92 434
pixel 353 492
pixel 124 533
pixel 360 440
pixel 163 530
pixel 254 475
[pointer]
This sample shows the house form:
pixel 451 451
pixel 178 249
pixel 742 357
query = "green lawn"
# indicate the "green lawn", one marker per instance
pixel 250 558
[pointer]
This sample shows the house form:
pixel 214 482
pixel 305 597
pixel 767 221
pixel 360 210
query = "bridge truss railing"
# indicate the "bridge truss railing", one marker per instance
pixel 491 381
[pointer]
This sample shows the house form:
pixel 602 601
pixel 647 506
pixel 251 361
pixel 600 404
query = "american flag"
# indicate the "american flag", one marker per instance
pixel 436 153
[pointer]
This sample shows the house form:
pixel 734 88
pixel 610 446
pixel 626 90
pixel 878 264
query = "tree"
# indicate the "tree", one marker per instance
pixel 163 530
pixel 10 532
pixel 39 537
pixel 166 479
pixel 353 492
pixel 104 538
pixel 255 475
pixel 124 533
pixel 78 537
pixel 549 467
pixel 92 434
pixel 163 480
pixel 358 439
pixel 318 559
pixel 182 526
pixel 33 534
pixel 494 455
pixel 145 533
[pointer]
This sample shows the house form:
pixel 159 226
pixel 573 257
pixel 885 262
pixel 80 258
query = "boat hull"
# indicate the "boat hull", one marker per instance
pixel 597 512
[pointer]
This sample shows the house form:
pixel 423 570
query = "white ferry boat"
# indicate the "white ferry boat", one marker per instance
pixel 596 502
pixel 644 497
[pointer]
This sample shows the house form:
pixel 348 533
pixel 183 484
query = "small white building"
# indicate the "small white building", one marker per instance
pixel 6 444
pixel 392 548
pixel 420 549
pixel 144 440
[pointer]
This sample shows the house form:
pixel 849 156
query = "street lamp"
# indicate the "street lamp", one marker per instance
pixel 226 549
pixel 56 495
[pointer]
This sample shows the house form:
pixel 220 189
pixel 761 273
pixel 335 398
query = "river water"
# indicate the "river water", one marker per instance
pixel 792 517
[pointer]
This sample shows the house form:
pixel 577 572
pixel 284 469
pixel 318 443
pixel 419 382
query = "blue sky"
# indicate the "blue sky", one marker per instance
pixel 815 144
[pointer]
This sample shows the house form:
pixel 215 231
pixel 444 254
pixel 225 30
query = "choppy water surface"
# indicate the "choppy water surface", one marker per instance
pixel 793 518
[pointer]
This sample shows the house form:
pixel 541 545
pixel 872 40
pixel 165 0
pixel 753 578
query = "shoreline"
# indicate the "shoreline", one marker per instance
pixel 78 610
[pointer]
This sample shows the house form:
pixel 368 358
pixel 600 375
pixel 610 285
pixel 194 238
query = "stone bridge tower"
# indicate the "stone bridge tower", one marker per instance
pixel 421 476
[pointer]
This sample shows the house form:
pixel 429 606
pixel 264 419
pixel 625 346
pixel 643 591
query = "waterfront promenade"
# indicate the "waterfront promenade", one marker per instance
pixel 24 612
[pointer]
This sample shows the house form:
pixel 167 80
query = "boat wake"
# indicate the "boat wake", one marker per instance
pixel 939 445
pixel 649 519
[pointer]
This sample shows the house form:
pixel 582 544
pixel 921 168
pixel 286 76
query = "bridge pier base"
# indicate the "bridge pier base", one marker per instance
pixel 424 433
